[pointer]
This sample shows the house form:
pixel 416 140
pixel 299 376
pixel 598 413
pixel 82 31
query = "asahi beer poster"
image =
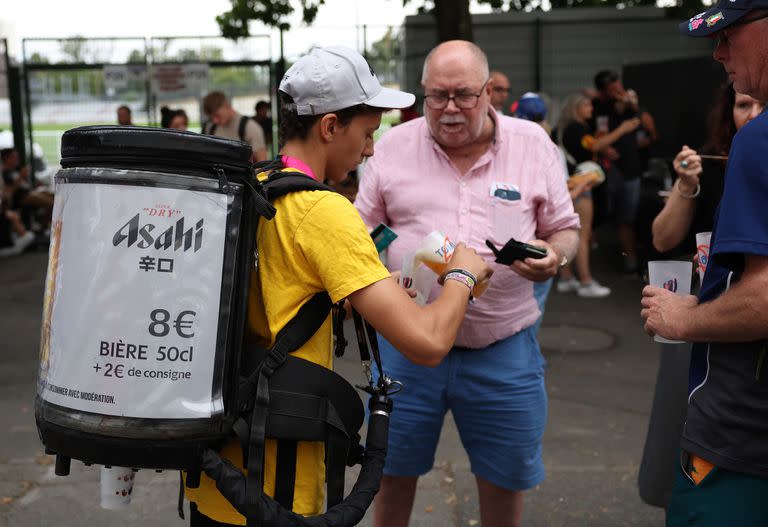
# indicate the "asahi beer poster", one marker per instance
pixel 133 301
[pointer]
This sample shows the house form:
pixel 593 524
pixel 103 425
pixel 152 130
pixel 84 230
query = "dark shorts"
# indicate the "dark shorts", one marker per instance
pixel 722 498
pixel 626 199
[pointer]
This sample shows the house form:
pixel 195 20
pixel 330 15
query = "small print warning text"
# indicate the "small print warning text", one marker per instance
pixel 77 394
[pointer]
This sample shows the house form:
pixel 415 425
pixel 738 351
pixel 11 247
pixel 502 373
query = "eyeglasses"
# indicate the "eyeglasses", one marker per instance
pixel 722 36
pixel 463 101
pixel 500 89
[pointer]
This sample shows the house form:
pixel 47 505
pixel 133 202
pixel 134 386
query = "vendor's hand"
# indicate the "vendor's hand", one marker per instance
pixel 468 259
pixel 538 270
pixel 666 313
pixel 689 175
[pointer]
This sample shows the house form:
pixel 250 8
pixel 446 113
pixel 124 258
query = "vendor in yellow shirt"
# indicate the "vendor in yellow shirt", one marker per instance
pixel 330 105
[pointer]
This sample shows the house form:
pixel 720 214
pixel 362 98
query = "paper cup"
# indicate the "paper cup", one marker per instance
pixel 417 278
pixel 116 487
pixel 672 275
pixel 702 249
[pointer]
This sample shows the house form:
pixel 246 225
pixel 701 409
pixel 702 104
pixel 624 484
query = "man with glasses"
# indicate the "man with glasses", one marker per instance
pixel 443 171
pixel 499 91
pixel 723 470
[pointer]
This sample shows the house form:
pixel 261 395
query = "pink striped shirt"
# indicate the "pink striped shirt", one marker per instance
pixel 411 185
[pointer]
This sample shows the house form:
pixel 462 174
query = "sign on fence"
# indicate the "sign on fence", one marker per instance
pixel 180 79
pixel 117 76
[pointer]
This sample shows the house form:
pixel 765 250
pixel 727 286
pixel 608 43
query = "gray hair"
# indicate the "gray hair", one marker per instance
pixel 568 113
pixel 480 59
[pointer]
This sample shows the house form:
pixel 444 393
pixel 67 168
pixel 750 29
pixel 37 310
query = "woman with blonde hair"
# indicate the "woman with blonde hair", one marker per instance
pixel 574 137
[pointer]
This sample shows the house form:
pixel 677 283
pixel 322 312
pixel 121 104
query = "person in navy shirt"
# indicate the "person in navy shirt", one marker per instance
pixel 723 475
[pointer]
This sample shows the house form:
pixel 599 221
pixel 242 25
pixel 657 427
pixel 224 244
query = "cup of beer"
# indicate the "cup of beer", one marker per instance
pixel 436 251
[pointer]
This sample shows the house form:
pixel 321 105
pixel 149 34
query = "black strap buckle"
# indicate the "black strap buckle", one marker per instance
pixel 367 334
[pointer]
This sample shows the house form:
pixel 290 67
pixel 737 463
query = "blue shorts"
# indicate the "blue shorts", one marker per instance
pixel 497 398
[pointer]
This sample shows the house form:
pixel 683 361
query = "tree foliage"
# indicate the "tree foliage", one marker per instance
pixel 137 56
pixel 74 48
pixel 452 17
pixel 272 13
pixel 383 55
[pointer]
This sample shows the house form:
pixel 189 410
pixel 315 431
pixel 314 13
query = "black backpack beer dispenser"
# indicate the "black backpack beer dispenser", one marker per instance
pixel 146 285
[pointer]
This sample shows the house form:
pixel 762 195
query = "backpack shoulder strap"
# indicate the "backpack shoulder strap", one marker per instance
pixel 209 128
pixel 281 183
pixel 268 166
pixel 298 331
pixel 241 127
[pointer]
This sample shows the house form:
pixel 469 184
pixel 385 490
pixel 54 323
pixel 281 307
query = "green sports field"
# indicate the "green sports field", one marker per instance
pixel 48 136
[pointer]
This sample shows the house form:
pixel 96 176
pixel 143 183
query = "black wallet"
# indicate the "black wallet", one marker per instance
pixel 515 250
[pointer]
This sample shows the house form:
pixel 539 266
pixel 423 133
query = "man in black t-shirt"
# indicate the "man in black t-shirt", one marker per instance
pixel 621 160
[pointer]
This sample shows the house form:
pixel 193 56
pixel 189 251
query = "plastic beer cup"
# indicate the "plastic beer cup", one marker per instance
pixel 417 278
pixel 674 276
pixel 702 250
pixel 116 487
pixel 436 251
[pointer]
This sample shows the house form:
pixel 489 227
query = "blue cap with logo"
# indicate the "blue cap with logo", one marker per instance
pixel 530 107
pixel 720 16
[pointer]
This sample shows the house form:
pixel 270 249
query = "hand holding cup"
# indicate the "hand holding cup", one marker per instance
pixel 467 258
pixel 666 301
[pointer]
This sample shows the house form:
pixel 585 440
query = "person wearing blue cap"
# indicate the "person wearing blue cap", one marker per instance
pixel 723 473
pixel 531 107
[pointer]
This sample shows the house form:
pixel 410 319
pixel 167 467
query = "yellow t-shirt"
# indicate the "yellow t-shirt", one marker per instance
pixel 316 242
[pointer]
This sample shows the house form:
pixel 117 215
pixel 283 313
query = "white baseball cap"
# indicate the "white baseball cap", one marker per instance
pixel 333 78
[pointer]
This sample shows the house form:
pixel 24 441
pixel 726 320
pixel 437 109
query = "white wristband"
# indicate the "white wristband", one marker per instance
pixel 689 196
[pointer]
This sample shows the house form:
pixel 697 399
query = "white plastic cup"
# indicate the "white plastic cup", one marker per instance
pixel 416 278
pixel 672 275
pixel 435 252
pixel 116 487
pixel 702 249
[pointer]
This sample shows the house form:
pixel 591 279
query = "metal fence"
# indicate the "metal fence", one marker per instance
pixel 82 81
pixel 77 81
